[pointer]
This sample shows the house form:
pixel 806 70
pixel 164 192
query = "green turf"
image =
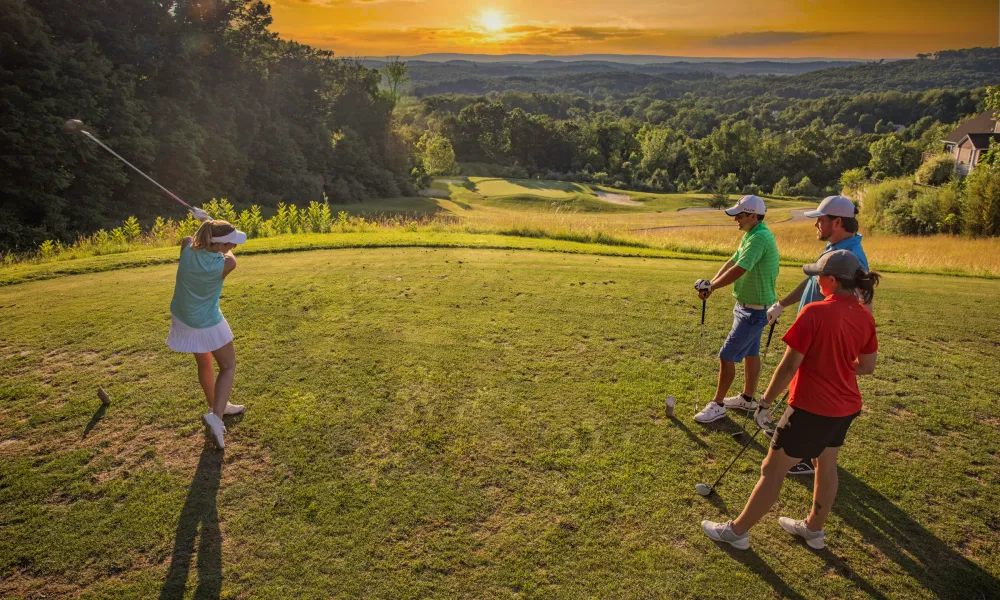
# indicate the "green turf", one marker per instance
pixel 441 422
pixel 546 195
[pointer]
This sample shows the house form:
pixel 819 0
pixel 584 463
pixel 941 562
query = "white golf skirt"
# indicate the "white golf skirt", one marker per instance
pixel 193 339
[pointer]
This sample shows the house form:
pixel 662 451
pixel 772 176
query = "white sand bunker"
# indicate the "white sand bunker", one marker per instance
pixel 621 199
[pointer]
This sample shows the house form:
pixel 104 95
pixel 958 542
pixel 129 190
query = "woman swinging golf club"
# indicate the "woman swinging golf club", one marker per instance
pixel 829 345
pixel 197 325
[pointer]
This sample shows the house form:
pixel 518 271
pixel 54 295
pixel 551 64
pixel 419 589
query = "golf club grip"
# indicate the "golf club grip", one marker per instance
pixel 703 302
pixel 136 169
pixel 770 332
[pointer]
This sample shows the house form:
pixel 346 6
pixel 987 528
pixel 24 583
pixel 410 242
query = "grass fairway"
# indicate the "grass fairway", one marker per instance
pixel 504 202
pixel 436 422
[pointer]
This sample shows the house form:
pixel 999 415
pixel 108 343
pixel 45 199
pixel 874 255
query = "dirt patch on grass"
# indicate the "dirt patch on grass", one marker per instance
pixel 21 584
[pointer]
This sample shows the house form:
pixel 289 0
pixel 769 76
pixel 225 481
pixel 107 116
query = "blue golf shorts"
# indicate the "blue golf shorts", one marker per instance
pixel 744 338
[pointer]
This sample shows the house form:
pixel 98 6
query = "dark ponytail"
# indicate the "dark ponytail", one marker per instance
pixel 865 281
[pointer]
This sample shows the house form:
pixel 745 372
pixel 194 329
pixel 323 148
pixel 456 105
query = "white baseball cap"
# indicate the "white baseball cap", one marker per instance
pixel 747 204
pixel 834 206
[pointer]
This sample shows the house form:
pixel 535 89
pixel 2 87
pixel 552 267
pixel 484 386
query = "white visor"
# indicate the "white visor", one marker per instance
pixel 234 237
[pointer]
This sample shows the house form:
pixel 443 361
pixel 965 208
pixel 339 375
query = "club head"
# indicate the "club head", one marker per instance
pixel 703 489
pixel 73 126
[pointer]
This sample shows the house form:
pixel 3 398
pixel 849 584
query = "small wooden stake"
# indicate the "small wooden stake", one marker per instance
pixel 105 398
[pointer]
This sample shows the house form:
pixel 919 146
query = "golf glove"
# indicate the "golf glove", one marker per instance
pixel 200 215
pixel 774 313
pixel 703 285
pixel 762 416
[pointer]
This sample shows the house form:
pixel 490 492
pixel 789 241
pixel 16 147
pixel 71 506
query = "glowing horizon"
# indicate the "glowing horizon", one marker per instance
pixel 696 28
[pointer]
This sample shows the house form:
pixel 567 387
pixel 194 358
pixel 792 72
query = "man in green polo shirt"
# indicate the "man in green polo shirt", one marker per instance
pixel 753 271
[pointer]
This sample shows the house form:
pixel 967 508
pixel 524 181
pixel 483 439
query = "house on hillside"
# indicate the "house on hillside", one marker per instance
pixel 970 140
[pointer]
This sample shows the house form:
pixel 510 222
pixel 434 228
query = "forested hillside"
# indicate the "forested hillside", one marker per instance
pixel 198 93
pixel 946 69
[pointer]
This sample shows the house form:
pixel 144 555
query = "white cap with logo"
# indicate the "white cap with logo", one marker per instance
pixel 834 206
pixel 748 204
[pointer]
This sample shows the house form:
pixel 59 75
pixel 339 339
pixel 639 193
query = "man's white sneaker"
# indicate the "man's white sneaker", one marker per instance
pixel 217 428
pixel 814 539
pixel 723 532
pixel 712 412
pixel 740 402
pixel 233 409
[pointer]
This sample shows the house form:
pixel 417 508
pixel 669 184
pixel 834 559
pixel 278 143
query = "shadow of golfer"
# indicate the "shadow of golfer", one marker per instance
pixel 755 563
pixel 97 416
pixel 199 510
pixel 680 425
pixel 932 563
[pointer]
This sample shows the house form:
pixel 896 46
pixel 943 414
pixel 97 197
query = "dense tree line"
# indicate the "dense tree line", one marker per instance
pixel 758 143
pixel 197 93
pixel 428 72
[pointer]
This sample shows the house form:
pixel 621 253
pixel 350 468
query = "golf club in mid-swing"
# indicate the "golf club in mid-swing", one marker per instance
pixel 76 126
pixel 706 490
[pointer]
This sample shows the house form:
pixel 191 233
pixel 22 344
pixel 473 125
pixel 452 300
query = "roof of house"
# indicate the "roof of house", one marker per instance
pixel 981 123
pixel 981 141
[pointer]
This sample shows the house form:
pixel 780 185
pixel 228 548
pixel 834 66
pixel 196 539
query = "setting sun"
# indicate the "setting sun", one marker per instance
pixel 493 20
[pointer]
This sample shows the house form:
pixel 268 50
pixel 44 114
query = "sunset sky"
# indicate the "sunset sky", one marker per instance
pixel 736 28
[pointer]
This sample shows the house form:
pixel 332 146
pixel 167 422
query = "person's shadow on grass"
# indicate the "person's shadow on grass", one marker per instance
pixel 199 520
pixel 932 563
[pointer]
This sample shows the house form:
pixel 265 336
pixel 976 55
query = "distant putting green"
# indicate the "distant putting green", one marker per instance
pixel 492 200
pixel 492 186
pixel 461 423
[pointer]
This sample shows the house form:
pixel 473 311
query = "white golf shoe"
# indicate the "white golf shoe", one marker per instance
pixel 234 409
pixel 711 413
pixel 723 532
pixel 814 539
pixel 740 402
pixel 217 428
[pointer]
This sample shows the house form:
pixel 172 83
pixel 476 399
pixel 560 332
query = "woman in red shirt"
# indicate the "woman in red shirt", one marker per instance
pixel 829 345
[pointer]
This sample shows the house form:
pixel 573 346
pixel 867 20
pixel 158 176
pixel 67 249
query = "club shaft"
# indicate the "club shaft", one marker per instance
pixel 701 337
pixel 745 446
pixel 136 169
pixel 763 361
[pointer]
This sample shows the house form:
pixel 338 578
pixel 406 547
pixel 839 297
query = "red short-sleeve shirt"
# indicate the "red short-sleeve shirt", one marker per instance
pixel 830 334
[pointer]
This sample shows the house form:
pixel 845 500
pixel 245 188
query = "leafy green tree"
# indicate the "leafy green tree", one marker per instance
pixel 805 187
pixel 783 187
pixel 887 156
pixel 721 190
pixel 395 73
pixel 439 156
pixel 936 170
pixel 853 180
pixel 981 205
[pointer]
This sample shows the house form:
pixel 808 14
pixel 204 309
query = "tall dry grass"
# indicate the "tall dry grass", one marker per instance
pixel 796 241
pixel 678 231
